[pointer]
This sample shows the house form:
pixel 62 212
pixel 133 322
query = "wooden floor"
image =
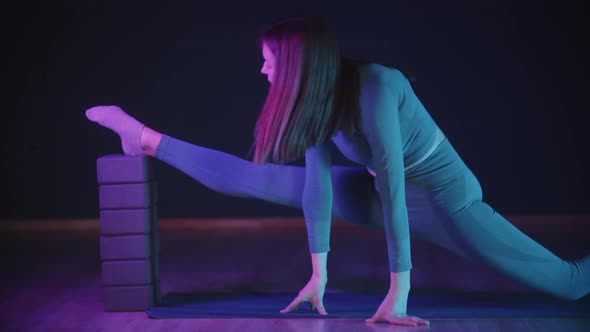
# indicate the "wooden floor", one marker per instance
pixel 50 279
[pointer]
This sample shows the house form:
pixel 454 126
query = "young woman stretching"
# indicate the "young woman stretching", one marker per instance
pixel 370 112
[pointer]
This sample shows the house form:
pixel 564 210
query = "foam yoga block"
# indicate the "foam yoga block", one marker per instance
pixel 129 298
pixel 124 169
pixel 131 221
pixel 125 247
pixel 127 196
pixel 130 238
pixel 127 272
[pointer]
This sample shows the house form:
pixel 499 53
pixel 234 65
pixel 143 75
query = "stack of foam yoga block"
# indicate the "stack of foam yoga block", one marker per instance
pixel 129 239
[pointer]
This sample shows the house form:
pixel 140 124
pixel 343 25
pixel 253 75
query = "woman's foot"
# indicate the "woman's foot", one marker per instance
pixel 128 128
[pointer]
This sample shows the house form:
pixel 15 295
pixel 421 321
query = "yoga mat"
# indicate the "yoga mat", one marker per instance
pixel 362 305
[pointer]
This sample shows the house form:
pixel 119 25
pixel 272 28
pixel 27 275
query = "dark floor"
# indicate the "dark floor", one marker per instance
pixel 50 278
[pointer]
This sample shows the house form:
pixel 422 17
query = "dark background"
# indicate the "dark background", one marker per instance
pixel 507 81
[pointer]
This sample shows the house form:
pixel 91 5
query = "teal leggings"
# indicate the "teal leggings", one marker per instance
pixel 444 201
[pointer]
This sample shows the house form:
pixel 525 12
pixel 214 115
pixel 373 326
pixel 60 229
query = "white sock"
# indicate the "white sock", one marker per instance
pixel 128 128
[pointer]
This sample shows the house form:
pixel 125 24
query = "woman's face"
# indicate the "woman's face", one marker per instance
pixel 268 68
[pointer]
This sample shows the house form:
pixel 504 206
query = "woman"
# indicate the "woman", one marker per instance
pixel 370 112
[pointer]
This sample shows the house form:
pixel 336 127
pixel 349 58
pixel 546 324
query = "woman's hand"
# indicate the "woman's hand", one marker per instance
pixel 313 293
pixel 393 308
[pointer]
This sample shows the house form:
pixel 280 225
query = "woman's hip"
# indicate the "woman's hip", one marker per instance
pixel 452 183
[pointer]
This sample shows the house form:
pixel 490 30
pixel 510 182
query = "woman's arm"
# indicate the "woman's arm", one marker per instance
pixel 317 209
pixel 319 265
pixel 382 93
pixel 381 96
pixel 318 197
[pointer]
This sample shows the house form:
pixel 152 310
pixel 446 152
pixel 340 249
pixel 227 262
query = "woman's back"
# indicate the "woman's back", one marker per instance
pixel 418 129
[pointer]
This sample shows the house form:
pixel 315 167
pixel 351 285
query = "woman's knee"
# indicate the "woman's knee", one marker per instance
pixel 460 194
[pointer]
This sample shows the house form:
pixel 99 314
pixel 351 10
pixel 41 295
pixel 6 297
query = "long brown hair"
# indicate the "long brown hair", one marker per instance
pixel 314 93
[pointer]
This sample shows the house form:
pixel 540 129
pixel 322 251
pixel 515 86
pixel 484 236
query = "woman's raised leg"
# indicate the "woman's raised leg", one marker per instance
pixel 355 199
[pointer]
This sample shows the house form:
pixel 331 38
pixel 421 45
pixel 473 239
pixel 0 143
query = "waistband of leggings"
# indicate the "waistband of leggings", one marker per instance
pixel 439 137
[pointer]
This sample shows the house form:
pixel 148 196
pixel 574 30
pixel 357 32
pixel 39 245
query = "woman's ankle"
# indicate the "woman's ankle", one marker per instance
pixel 150 139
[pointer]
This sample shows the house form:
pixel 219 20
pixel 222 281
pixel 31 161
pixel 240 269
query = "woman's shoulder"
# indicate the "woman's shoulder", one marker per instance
pixel 375 72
